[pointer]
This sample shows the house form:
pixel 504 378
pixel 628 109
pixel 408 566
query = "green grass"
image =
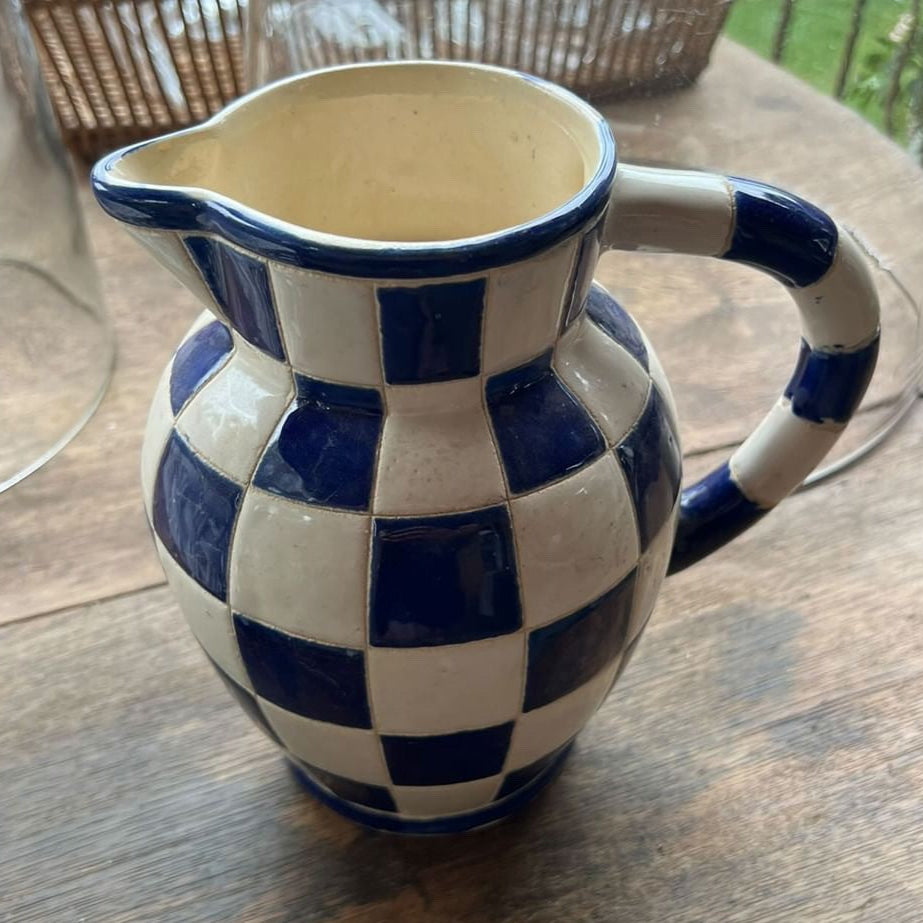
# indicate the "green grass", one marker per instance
pixel 816 38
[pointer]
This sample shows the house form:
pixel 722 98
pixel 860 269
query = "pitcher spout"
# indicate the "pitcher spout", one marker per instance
pixel 156 189
pixel 157 183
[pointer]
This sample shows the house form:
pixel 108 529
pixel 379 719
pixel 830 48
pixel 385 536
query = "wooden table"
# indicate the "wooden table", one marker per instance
pixel 761 760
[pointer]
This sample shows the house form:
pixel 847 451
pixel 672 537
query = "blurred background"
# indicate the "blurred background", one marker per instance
pixel 868 53
pixel 122 69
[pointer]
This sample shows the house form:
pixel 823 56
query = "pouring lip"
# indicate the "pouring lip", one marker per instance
pixel 195 210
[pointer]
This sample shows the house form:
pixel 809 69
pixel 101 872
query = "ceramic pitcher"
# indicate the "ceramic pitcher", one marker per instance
pixel 413 476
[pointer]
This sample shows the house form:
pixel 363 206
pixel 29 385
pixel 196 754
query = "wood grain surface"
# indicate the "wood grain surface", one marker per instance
pixel 761 760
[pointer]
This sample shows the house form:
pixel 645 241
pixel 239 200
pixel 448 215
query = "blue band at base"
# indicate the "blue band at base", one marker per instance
pixel 456 823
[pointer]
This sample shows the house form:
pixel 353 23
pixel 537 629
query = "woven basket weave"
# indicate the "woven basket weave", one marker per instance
pixel 121 70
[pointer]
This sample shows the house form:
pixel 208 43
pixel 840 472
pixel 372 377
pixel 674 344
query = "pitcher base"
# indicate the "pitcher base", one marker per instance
pixel 454 823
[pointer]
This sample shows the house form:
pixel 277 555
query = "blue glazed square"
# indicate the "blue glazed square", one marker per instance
pixel 443 579
pixel 568 653
pixel 431 332
pixel 615 321
pixel 585 266
pixel 197 360
pixel 789 238
pixel 520 778
pixel 542 430
pixel 324 451
pixel 319 681
pixel 651 460
pixel 445 759
pixel 247 702
pixel 240 285
pixel 829 386
pixel 371 796
pixel 714 510
pixel 193 513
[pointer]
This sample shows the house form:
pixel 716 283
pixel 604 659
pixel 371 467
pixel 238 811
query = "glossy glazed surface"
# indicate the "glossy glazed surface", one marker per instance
pixel 422 643
pixel 422 620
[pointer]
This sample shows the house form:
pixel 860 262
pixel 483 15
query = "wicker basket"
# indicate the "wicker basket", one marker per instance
pixel 121 70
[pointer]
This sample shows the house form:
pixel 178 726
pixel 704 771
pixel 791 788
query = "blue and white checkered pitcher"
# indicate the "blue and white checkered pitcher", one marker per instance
pixel 414 478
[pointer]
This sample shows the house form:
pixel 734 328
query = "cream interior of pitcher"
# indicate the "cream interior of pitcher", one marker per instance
pixel 405 152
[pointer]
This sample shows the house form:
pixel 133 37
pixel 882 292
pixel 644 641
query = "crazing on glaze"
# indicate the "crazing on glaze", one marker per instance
pixel 415 479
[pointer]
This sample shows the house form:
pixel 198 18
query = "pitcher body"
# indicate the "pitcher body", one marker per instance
pixel 413 477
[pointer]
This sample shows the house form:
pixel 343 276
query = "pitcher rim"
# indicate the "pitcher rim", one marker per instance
pixel 197 210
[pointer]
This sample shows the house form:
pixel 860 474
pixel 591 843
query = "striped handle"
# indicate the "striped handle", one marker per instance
pixel 772 230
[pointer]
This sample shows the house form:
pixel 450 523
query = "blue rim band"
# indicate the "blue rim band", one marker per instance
pixel 173 209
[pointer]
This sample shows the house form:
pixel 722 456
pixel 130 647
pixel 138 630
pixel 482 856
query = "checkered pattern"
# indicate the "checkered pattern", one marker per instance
pixel 419 526
pixel 418 548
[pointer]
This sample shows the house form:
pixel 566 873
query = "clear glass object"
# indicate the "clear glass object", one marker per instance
pixel 56 345
pixel 713 316
pixel 597 48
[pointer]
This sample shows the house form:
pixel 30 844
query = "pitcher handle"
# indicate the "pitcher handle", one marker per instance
pixel 677 211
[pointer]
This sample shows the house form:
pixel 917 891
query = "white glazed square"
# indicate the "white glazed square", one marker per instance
pixel 229 420
pixel 301 568
pixel 542 730
pixel 659 378
pixel 524 304
pixel 329 325
pixel 354 753
pixel 208 617
pixel 436 455
pixel 158 429
pixel 780 452
pixel 575 540
pixel 446 688
pixel 609 381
